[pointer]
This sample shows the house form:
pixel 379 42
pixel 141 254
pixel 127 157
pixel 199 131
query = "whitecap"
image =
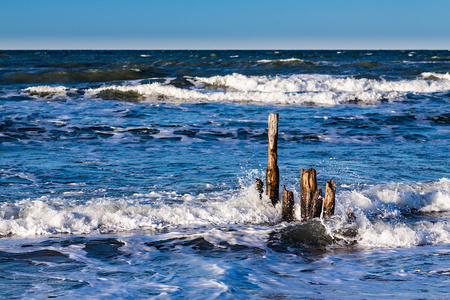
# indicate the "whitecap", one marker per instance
pixel 293 89
pixel 439 76
pixel 285 60
pixel 385 214
pixel 50 92
pixel 47 216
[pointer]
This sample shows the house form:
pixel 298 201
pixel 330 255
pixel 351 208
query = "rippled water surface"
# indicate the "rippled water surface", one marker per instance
pixel 131 174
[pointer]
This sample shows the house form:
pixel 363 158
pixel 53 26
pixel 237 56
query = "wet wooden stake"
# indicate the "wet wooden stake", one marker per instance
pixel 259 187
pixel 350 214
pixel 288 205
pixel 308 187
pixel 316 205
pixel 330 198
pixel 272 172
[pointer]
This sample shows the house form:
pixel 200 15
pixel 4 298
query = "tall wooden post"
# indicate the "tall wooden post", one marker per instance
pixel 330 198
pixel 272 172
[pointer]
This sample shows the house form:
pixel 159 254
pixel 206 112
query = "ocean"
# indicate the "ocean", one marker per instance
pixel 131 174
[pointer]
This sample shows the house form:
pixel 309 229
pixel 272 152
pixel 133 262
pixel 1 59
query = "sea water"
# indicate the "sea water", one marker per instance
pixel 131 174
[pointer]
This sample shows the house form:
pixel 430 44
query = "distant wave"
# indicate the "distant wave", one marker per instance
pixel 286 60
pixel 55 76
pixel 45 91
pixel 294 89
pixel 322 83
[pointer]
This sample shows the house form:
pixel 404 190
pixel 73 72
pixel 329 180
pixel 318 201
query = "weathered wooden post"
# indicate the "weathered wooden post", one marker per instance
pixel 288 205
pixel 316 205
pixel 259 187
pixel 330 198
pixel 308 187
pixel 312 203
pixel 272 172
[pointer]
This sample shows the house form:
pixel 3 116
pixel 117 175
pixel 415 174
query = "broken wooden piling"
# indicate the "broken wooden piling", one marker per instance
pixel 272 172
pixel 329 200
pixel 259 187
pixel 316 205
pixel 308 187
pixel 288 205
pixel 312 203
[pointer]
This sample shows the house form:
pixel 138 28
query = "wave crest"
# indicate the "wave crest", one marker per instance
pixel 395 215
pixel 386 216
pixel 294 89
pixel 423 197
pixel 44 217
pixel 45 91
pixel 436 76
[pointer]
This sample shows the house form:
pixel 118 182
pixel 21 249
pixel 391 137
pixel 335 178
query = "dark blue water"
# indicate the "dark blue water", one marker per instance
pixel 131 173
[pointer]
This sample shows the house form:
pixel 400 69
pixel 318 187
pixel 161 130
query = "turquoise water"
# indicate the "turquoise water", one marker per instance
pixel 131 173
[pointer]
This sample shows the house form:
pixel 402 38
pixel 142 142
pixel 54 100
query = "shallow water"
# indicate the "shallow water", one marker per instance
pixel 131 173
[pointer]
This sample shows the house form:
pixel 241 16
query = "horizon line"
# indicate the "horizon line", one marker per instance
pixel 225 49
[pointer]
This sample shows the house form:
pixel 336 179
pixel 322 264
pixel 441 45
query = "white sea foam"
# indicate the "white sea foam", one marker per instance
pixel 294 89
pixel 439 76
pixel 286 60
pixel 49 216
pixel 45 91
pixel 392 235
pixel 381 214
pixel 422 196
pixel 380 220
pixel 324 84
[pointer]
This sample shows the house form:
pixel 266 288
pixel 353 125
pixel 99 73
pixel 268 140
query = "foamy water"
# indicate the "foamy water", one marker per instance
pixel 294 89
pixel 383 214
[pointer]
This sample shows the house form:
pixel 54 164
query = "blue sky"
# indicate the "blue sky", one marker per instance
pixel 232 24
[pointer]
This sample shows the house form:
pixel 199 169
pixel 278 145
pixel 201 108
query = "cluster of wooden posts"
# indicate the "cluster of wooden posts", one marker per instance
pixel 312 204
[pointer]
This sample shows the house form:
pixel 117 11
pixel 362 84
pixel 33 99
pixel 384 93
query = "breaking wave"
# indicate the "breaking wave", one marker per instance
pixel 396 215
pixel 294 89
pixel 45 91
pixel 286 61
pixel 45 216
pixel 436 76
pixel 385 216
